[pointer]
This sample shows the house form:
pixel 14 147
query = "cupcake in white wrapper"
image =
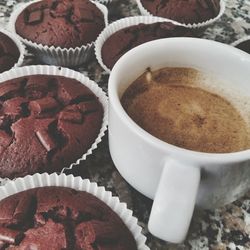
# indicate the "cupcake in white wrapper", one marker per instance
pixel 19 44
pixel 243 44
pixel 58 71
pixel 78 184
pixel 55 55
pixel 204 24
pixel 121 24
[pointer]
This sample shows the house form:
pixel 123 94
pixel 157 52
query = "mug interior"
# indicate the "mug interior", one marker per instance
pixel 217 59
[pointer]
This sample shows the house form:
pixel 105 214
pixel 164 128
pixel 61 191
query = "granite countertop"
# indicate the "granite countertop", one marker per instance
pixel 221 229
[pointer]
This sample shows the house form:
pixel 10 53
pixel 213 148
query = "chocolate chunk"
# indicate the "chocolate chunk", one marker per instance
pixel 13 107
pixel 96 231
pixel 4 121
pixel 39 219
pixel 43 105
pixel 5 139
pixel 82 14
pixel 23 208
pixel 61 9
pixel 88 107
pixel 72 108
pixel 33 94
pixel 67 94
pixel 74 117
pixel 7 210
pixel 35 17
pixel 10 236
pixel 46 140
pixel 49 236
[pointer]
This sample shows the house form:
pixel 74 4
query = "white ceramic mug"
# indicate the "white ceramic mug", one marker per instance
pixel 176 178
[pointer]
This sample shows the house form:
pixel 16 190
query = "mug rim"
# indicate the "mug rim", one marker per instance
pixel 187 153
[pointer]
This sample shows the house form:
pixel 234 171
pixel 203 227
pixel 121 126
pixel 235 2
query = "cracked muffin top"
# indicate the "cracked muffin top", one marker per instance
pixel 9 53
pixel 183 11
pixel 60 23
pixel 126 39
pixel 46 123
pixel 61 218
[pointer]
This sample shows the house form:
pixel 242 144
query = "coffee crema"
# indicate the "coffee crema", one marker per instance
pixel 170 105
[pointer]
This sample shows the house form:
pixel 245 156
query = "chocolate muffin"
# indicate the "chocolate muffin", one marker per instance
pixel 245 46
pixel 46 123
pixel 126 39
pixel 60 23
pixel 61 218
pixel 9 53
pixel 183 11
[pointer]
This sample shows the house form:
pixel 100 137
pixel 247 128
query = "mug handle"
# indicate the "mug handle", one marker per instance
pixel 174 201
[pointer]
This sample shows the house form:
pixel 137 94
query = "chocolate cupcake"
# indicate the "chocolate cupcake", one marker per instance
pixel 60 23
pixel 243 44
pixel 127 33
pixel 60 32
pixel 191 13
pixel 184 11
pixel 61 218
pixel 70 214
pixel 47 121
pixel 11 51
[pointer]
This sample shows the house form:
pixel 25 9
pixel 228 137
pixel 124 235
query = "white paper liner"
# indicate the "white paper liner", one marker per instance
pixel 104 1
pixel 195 25
pixel 59 71
pixel 77 183
pixel 56 55
pixel 243 39
pixel 19 44
pixel 121 24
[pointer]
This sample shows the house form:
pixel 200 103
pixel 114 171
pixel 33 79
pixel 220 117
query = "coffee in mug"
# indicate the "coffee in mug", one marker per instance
pixel 186 108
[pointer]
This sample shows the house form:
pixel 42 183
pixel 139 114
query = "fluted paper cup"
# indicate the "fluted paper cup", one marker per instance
pixel 121 24
pixel 56 55
pixel 104 1
pixel 59 71
pixel 77 183
pixel 145 12
pixel 19 44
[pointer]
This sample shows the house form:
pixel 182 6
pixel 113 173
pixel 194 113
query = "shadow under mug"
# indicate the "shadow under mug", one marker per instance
pixel 176 178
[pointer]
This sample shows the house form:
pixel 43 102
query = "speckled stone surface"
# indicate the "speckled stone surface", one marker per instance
pixel 221 229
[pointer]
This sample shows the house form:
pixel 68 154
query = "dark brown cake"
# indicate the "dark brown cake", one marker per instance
pixel 46 123
pixel 126 39
pixel 9 53
pixel 245 46
pixel 63 23
pixel 183 11
pixel 61 218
